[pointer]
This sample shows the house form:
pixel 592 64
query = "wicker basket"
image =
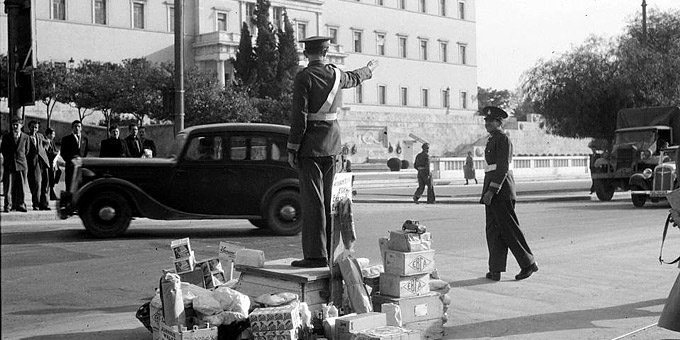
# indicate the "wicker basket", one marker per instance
pixel 674 199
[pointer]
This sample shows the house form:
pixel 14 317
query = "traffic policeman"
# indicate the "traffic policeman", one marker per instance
pixel 314 143
pixel 498 195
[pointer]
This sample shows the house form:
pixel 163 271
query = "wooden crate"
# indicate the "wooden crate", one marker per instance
pixel 429 329
pixel 312 285
pixel 413 308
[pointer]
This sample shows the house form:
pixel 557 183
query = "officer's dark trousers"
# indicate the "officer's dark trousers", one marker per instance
pixel 316 182
pixel 424 179
pixel 503 233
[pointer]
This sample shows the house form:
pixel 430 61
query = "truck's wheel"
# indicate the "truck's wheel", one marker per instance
pixel 604 190
pixel 284 213
pixel 107 214
pixel 639 200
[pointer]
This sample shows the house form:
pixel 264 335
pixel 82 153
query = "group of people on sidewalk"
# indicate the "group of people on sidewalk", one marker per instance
pixel 34 157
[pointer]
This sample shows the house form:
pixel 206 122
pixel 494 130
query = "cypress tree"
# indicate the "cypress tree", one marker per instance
pixel 267 55
pixel 244 64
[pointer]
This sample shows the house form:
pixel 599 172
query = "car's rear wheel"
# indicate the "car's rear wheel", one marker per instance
pixel 604 189
pixel 639 200
pixel 261 223
pixel 284 213
pixel 106 214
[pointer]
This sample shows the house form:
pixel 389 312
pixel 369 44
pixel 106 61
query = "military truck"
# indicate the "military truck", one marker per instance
pixel 640 135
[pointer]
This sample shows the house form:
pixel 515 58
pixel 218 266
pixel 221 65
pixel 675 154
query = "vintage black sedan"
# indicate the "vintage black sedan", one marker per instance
pixel 218 171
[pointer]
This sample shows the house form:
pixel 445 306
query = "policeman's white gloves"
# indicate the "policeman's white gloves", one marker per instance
pixel 487 197
pixel 292 159
pixel 373 64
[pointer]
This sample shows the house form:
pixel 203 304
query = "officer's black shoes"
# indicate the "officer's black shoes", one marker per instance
pixel 415 199
pixel 494 276
pixel 310 263
pixel 526 272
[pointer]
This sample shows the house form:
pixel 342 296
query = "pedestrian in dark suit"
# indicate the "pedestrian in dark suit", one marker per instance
pixel 14 148
pixel 73 146
pixel 314 143
pixel 498 195
pixel 134 144
pixel 53 156
pixel 38 167
pixel 147 144
pixel 469 168
pixel 422 164
pixel 114 146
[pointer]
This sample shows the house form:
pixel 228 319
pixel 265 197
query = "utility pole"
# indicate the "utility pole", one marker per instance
pixel 20 55
pixel 644 23
pixel 179 66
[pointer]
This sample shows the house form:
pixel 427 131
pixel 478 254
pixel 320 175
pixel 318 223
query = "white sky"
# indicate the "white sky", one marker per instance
pixel 512 35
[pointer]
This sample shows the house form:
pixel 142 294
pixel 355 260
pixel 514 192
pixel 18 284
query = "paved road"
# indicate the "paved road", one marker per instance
pixel 598 278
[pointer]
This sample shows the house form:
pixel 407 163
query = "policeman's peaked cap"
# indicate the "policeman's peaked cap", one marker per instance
pixel 316 43
pixel 494 113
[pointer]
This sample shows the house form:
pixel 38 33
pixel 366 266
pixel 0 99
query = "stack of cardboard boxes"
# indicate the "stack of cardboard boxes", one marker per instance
pixel 408 260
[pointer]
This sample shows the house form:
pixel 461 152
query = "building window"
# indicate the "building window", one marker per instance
pixel 442 7
pixel 250 16
pixel 380 2
pixel 277 14
pixel 59 9
pixel 423 6
pixel 382 94
pixel 402 47
pixel 425 97
pixel 301 31
pixel 463 100
pixel 402 4
pixel 171 19
pixel 380 42
pixel 443 52
pixel 445 98
pixel 222 21
pixel 461 54
pixel 359 94
pixel 356 37
pixel 138 15
pixel 333 33
pixel 100 12
pixel 423 49
pixel 461 10
pixel 403 96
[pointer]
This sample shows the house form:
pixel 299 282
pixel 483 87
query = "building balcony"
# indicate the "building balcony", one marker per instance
pixel 216 46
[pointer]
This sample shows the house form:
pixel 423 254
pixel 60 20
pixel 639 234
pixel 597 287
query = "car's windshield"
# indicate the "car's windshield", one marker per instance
pixel 178 145
pixel 642 139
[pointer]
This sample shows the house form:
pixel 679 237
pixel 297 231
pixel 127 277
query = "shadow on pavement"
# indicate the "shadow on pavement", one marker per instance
pixel 472 282
pixel 552 322
pixel 128 334
pixel 49 311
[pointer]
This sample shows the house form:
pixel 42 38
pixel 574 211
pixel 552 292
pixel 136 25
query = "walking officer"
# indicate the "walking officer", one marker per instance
pixel 498 195
pixel 314 143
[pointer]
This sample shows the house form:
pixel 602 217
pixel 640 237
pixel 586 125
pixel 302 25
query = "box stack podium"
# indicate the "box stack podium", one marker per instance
pixel 408 259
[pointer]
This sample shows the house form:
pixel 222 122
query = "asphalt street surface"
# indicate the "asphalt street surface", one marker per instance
pixel 599 276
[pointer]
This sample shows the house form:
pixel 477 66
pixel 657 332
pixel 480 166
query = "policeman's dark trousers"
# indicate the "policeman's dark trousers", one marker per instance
pixel 316 182
pixel 13 185
pixel 670 316
pixel 38 178
pixel 424 179
pixel 503 233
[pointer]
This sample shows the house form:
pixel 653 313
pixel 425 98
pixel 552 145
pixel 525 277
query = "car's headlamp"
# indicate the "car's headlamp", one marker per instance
pixel 647 173
pixel 645 154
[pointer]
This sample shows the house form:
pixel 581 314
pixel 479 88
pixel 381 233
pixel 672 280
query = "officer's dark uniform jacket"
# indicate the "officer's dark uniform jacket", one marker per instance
pixel 498 173
pixel 314 133
pixel 422 162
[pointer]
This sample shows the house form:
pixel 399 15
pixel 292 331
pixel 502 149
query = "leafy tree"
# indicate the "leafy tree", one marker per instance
pixel 267 54
pixel 50 86
pixel 142 95
pixel 491 97
pixel 78 92
pixel 579 92
pixel 4 74
pixel 245 61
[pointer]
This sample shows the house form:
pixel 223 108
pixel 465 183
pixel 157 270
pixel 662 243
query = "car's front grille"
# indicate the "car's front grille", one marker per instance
pixel 663 178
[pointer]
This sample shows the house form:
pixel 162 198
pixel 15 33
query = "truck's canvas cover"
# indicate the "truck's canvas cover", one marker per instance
pixel 649 116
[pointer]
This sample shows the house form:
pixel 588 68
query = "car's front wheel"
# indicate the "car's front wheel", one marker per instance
pixel 639 200
pixel 106 214
pixel 604 189
pixel 284 213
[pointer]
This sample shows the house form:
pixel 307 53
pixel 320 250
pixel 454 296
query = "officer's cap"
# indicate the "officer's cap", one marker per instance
pixel 316 43
pixel 494 113
pixel 425 146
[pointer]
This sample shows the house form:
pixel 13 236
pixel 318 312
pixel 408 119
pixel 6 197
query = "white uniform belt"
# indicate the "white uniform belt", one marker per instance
pixel 492 167
pixel 322 116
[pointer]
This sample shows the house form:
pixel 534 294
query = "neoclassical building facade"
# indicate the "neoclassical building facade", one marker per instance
pixel 424 89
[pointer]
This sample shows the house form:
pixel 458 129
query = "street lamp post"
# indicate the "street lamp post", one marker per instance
pixel 179 66
pixel 644 23
pixel 448 99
